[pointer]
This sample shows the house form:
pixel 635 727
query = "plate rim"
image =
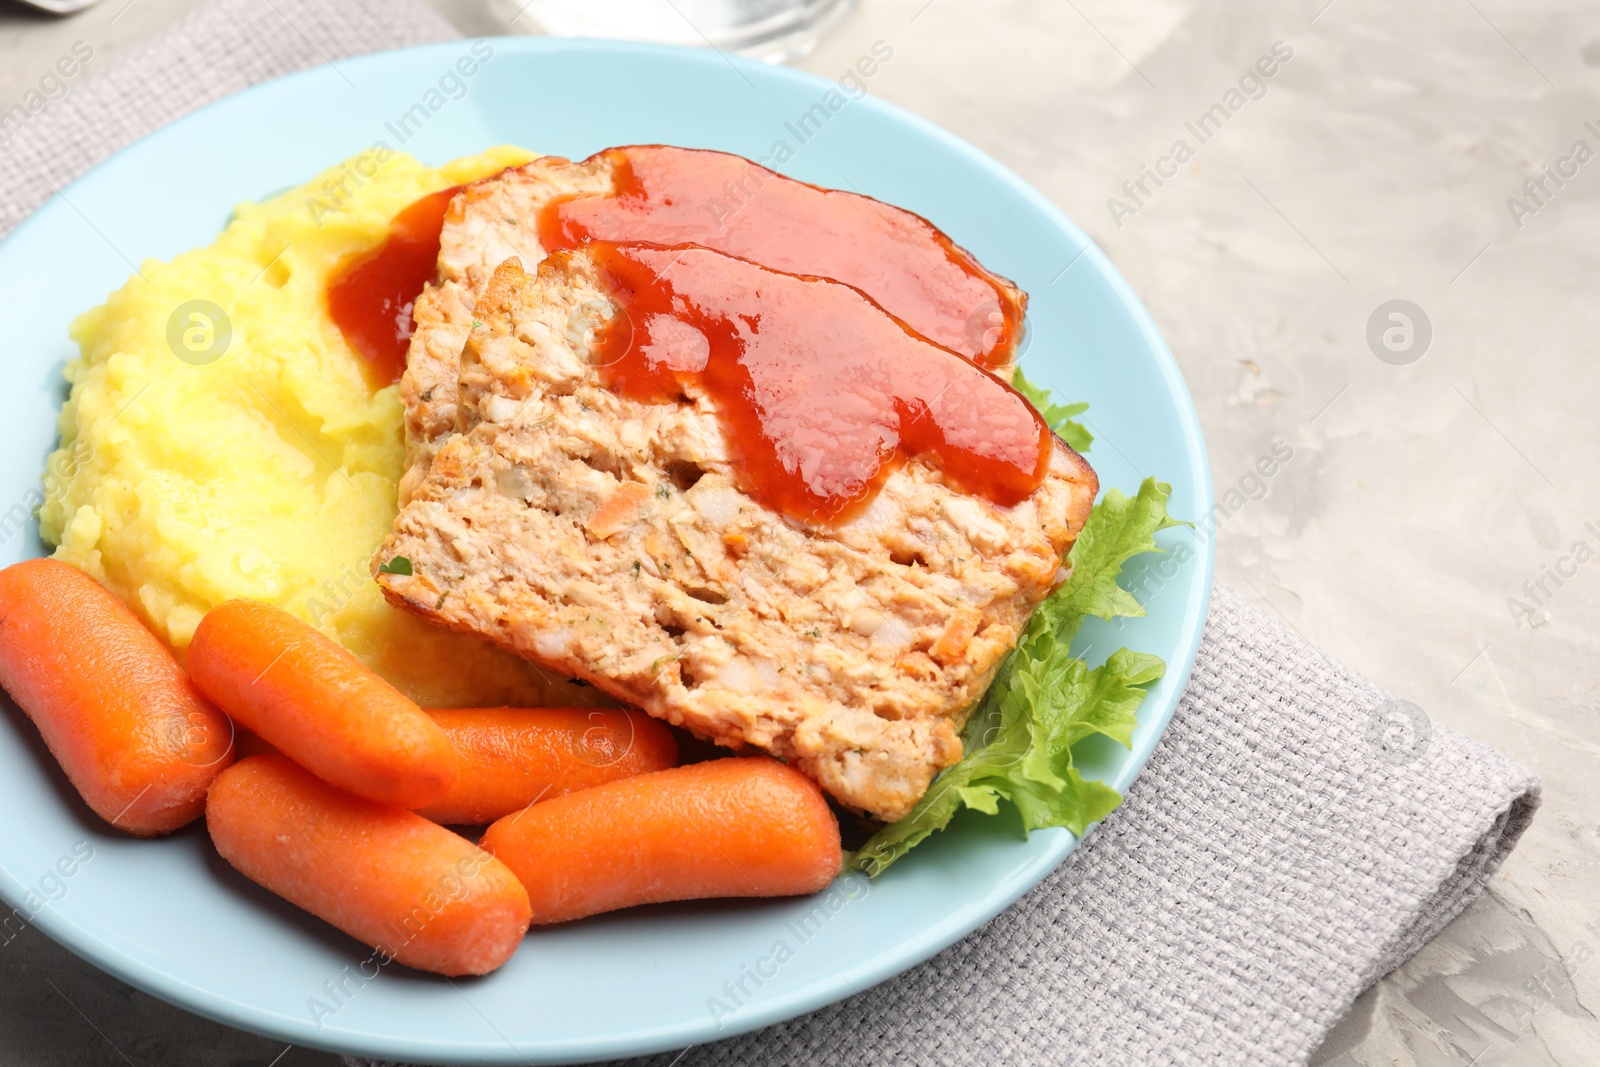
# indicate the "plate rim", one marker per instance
pixel 839 984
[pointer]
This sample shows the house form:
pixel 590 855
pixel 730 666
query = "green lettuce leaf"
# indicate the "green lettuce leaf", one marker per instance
pixel 1058 416
pixel 1118 528
pixel 1019 742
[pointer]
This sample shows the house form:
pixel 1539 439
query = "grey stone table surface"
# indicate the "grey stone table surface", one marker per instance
pixel 1439 523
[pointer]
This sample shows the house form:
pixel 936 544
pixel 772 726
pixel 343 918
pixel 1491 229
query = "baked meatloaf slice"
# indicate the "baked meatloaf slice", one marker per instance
pixel 671 195
pixel 488 222
pixel 615 540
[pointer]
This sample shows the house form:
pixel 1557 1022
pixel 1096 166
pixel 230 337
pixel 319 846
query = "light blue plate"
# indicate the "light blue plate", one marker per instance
pixel 173 919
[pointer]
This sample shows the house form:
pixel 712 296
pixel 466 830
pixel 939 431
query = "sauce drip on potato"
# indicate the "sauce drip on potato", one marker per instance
pixel 371 294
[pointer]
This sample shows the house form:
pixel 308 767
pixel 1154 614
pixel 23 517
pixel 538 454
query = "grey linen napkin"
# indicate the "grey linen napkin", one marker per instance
pixel 1279 853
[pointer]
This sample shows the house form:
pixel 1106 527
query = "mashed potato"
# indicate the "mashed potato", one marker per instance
pixel 206 457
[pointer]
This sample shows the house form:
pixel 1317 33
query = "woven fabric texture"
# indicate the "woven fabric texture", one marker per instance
pixel 1273 859
pixel 213 52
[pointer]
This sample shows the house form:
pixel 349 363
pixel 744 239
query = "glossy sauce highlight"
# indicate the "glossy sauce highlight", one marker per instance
pixel 820 393
pixel 670 196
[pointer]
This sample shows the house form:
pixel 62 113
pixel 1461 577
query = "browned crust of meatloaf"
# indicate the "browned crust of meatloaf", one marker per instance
pixel 609 540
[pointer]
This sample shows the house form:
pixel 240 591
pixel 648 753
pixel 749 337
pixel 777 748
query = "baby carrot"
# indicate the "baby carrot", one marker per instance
pixel 133 736
pixel 319 705
pixel 513 757
pixel 747 827
pixel 386 876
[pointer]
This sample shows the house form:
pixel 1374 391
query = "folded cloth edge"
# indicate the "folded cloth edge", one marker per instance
pixel 1471 875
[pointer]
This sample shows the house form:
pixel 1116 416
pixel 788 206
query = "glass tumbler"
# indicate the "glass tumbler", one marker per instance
pixel 772 30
